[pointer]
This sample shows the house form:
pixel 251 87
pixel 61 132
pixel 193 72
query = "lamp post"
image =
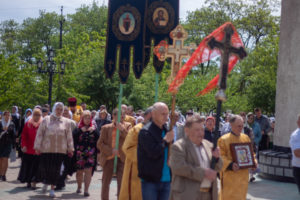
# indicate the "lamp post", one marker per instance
pixel 51 69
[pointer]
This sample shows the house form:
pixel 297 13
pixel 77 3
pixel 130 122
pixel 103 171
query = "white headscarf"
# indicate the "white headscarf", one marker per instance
pixel 54 108
pixel 17 112
pixel 4 123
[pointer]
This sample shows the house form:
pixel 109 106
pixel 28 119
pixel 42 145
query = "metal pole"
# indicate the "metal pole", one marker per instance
pixel 61 27
pixel 216 133
pixel 156 86
pixel 118 131
pixel 50 87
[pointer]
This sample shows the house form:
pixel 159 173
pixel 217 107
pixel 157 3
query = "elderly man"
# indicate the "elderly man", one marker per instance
pixel 234 181
pixel 153 149
pixel 295 146
pixel 108 150
pixel 190 163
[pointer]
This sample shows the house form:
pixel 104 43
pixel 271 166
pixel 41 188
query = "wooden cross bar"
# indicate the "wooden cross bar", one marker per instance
pixel 226 49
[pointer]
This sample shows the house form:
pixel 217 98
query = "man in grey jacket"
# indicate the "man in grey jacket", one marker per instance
pixel 190 164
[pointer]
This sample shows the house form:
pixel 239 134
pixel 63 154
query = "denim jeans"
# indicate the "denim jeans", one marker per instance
pixel 155 191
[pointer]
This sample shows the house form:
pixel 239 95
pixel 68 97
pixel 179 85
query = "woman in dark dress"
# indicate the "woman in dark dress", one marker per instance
pixel 7 142
pixel 85 141
pixel 30 159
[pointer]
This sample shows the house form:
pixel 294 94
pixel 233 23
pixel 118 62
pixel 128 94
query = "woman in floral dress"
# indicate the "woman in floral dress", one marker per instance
pixel 85 140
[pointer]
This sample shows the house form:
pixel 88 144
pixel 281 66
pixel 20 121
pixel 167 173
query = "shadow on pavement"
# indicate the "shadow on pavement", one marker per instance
pixel 17 190
pixel 39 197
pixel 71 196
pixel 15 182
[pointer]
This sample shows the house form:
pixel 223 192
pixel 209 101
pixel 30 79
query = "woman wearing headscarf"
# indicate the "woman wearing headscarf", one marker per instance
pixel 7 142
pixel 54 140
pixel 102 120
pixel 85 142
pixel 30 159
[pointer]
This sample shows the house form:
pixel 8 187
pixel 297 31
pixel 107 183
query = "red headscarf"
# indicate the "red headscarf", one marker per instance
pixel 81 123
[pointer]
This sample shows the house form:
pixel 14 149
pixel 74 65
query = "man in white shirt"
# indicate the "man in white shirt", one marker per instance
pixel 295 146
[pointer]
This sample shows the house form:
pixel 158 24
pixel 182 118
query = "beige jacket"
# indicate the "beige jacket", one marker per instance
pixel 187 175
pixel 54 136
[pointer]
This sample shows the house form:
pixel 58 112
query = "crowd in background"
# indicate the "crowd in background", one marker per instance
pixel 71 139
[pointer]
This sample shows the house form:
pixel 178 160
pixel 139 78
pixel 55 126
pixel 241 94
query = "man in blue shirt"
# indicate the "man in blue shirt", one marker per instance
pixel 153 153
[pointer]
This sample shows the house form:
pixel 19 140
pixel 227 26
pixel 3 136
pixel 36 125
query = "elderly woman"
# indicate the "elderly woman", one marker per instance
pixel 102 120
pixel 7 142
pixel 85 141
pixel 30 159
pixel 54 140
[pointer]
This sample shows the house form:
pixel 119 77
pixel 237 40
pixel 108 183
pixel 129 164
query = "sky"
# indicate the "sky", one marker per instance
pixel 22 9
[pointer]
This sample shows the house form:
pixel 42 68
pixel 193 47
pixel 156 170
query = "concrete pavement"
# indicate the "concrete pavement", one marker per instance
pixel 13 190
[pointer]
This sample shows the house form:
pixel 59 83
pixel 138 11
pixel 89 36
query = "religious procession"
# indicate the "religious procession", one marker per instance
pixel 171 140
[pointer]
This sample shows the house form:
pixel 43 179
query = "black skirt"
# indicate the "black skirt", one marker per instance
pixel 5 150
pixel 50 168
pixel 29 168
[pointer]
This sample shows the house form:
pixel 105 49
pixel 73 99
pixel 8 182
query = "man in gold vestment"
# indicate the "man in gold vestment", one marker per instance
pixel 234 181
pixel 128 118
pixel 131 188
pixel 75 109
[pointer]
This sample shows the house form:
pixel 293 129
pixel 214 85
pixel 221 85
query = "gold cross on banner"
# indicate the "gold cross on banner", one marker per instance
pixel 177 51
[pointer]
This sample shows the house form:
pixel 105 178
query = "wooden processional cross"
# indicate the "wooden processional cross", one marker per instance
pixel 227 50
pixel 177 52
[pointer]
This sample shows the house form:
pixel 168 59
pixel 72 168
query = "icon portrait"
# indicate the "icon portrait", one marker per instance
pixel 126 23
pixel 160 17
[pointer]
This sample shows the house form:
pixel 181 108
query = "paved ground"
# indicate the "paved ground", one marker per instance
pixel 13 190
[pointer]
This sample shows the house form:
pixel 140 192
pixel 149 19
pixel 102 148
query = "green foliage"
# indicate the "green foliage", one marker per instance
pixel 251 84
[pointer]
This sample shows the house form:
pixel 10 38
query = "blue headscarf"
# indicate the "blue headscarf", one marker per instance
pixel 29 117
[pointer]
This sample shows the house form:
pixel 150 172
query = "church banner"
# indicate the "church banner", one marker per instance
pixel 161 17
pixel 125 30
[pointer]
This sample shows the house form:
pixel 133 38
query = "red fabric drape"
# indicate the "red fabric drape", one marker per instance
pixel 203 54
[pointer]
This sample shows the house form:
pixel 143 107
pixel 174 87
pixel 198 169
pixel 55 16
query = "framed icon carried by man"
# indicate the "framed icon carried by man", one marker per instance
pixel 243 155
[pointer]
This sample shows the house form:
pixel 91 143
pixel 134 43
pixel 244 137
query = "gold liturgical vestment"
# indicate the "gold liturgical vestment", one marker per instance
pixel 234 185
pixel 77 115
pixel 131 188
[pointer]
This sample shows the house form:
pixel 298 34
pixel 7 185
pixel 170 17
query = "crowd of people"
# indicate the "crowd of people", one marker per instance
pixel 157 158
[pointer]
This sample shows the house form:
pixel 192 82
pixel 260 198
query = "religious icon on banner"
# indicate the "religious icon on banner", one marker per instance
pixel 242 154
pixel 160 17
pixel 126 23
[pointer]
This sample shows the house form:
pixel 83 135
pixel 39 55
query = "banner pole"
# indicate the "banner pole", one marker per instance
pixel 118 131
pixel 156 86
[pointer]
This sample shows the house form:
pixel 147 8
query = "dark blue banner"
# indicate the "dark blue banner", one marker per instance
pixel 161 18
pixel 125 32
